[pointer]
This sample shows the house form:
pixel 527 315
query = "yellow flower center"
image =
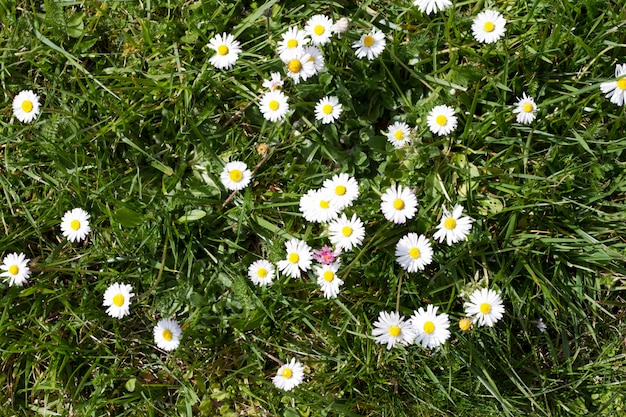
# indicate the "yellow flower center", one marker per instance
pixel 429 327
pixel 621 83
pixel 167 334
pixel 292 43
pixel 324 204
pixel 395 331
pixel 441 120
pixel 527 107
pixel 399 135
pixel 489 27
pixel 414 253
pixel 485 308
pixel 294 258
pixel 340 190
pixel 329 276
pixel 465 324
pixel 14 269
pixel 222 50
pixel 346 231
pixel 368 41
pixel 273 105
pixel 27 106
pixel 262 272
pixel 294 66
pixel 449 223
pixel 319 30
pixel 118 300
pixel 235 175
pixel 286 373
pixel 398 204
pixel 75 224
pixel 327 109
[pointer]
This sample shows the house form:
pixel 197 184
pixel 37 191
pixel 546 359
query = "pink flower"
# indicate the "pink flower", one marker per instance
pixel 325 256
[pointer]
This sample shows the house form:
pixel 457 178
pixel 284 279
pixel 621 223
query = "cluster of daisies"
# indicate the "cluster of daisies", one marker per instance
pixel 75 228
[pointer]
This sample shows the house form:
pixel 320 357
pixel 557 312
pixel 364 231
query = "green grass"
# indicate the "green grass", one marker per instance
pixel 137 125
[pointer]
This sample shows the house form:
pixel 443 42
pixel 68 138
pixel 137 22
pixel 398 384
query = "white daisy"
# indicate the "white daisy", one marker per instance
pixel 292 40
pixel 274 83
pixel 488 26
pixel 485 307
pixel 16 270
pixel 370 45
pixel 399 134
pixel 117 298
pixel 316 57
pixel 319 28
pixel 616 89
pixel 398 204
pixel 236 176
pixel 75 225
pixel 26 106
pixel 413 252
pixel 274 105
pixel 328 109
pixel 452 227
pixel 261 272
pixel 318 206
pixel 346 234
pixel 227 51
pixel 431 329
pixel 298 259
pixel 299 64
pixel 327 279
pixel 525 109
pixel 441 120
pixel 289 375
pixel 432 6
pixel 391 328
pixel 343 189
pixel 167 334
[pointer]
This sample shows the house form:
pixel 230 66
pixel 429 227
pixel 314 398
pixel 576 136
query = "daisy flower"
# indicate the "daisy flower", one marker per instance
pixel 413 252
pixel 26 106
pixel 432 6
pixel 452 227
pixel 370 45
pixel 488 26
pixel 298 258
pixel 441 120
pixel 75 225
pixel 236 176
pixel 292 40
pixel 328 109
pixel 325 256
pixel 319 28
pixel 15 267
pixel 261 272
pixel 431 330
pixel 117 299
pixel 289 375
pixel 465 324
pixel 485 307
pixel 167 334
pixel 398 134
pixel 318 206
pixel 299 64
pixel 274 105
pixel 525 109
pixel 274 83
pixel 227 51
pixel 614 90
pixel 391 328
pixel 343 189
pixel 346 234
pixel 316 57
pixel 327 279
pixel 398 204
